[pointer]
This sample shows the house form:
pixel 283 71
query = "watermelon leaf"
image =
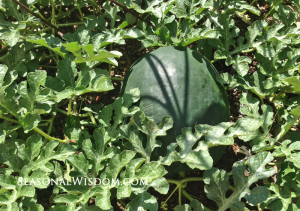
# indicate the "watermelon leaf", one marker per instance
pixel 217 181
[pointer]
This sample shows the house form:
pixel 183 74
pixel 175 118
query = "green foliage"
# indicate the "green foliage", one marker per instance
pixel 218 182
pixel 48 132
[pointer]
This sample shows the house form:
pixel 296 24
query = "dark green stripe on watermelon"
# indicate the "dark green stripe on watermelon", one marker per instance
pixel 180 83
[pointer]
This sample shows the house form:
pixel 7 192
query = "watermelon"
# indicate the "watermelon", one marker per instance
pixel 180 83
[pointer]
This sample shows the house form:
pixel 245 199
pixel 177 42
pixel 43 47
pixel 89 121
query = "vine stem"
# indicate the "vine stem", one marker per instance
pixel 179 23
pixel 172 193
pixel 268 13
pixel 81 104
pixel 80 12
pixel 38 11
pixel 252 2
pixel 66 113
pixel 179 194
pixel 249 51
pixel 17 128
pixel 44 124
pixel 8 119
pixel 92 118
pixel 272 8
pixel 67 139
pixel 47 136
pixel 189 197
pixel 53 16
pixel 180 184
pixel 70 105
pixel 60 7
pixel 258 95
pixel 274 164
pixel 215 60
pixel 51 124
pixel 36 129
pixel 3 57
pixel 62 111
pixel 75 106
pixel 38 16
pixel 70 24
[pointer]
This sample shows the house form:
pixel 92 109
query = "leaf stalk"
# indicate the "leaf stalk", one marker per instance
pixel 8 119
pixel 80 12
pixel 47 136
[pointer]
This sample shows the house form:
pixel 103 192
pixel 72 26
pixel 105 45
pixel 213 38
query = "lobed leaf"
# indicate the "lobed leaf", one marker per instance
pixel 219 184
